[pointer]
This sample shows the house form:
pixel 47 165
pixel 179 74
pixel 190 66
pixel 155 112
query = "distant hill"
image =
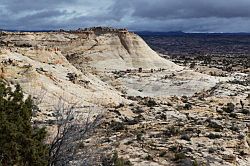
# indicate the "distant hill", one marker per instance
pixel 180 33
pixel 13 30
pixel 150 33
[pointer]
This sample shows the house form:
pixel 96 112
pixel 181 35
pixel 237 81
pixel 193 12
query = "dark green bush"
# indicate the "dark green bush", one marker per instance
pixel 117 126
pixel 179 156
pixel 172 131
pixel 20 143
pixel 114 160
pixel 187 106
pixel 151 103
pixel 245 111
pixel 229 108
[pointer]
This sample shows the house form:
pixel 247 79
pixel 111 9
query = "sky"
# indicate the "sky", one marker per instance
pixel 136 15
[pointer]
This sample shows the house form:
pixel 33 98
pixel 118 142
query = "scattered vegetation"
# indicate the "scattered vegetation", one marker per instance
pixel 22 142
pixel 139 136
pixel 245 111
pixel 179 156
pixel 115 160
pixel 72 131
pixel 214 136
pixel 187 106
pixel 149 157
pixel 172 131
pixel 185 137
pixel 150 102
pixel 192 65
pixel 117 126
pixel 229 108
pixel 162 153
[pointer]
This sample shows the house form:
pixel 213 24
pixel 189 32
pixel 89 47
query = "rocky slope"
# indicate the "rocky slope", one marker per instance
pixel 100 48
pixel 53 65
pixel 49 76
pixel 162 114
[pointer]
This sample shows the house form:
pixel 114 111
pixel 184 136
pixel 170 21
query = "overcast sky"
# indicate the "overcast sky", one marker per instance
pixel 152 15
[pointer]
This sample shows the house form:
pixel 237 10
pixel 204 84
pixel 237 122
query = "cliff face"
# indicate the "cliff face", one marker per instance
pixel 120 52
pixel 99 48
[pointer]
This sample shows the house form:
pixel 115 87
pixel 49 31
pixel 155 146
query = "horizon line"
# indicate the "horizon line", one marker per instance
pixel 146 31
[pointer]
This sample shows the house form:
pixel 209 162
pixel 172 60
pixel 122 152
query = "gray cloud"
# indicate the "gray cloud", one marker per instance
pixel 155 15
pixel 191 8
pixel 31 5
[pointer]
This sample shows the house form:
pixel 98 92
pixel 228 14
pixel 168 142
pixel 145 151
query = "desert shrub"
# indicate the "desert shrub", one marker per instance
pixel 245 111
pixel 229 108
pixel 117 126
pixel 215 124
pixel 151 103
pixel 233 115
pixel 149 157
pixel 214 136
pixel 239 82
pixel 80 145
pixel 185 137
pixel 138 110
pixel 139 136
pixel 187 106
pixel 192 65
pixel 234 128
pixel 172 131
pixel 248 139
pixel 162 153
pixel 195 163
pixel 179 156
pixel 68 145
pixel 186 162
pixel 115 160
pixel 184 99
pixel 20 142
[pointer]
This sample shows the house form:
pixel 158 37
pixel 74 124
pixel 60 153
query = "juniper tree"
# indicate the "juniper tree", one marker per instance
pixel 20 143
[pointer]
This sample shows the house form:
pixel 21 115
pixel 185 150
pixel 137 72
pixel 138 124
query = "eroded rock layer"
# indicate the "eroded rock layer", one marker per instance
pixel 100 48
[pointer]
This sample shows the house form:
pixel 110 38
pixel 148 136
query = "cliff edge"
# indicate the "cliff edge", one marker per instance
pixel 98 47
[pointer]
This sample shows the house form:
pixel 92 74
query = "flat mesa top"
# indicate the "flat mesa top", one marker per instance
pixel 79 30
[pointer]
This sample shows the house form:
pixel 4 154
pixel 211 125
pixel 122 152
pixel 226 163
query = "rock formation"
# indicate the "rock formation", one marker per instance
pixel 101 48
pixel 156 112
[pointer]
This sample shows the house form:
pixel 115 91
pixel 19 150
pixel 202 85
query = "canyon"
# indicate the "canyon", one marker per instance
pixel 157 112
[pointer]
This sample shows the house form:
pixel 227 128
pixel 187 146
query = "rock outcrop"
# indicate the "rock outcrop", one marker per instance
pixel 100 48
pixel 58 64
pixel 49 76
